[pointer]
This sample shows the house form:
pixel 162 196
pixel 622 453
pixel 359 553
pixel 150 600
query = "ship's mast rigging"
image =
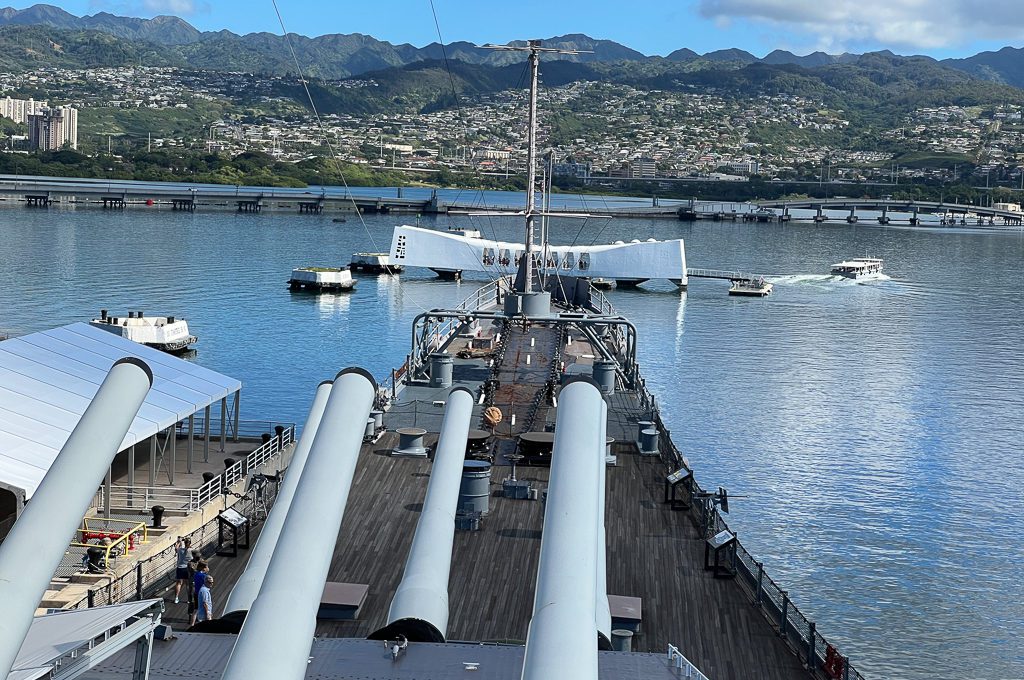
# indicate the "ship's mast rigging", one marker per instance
pixel 534 48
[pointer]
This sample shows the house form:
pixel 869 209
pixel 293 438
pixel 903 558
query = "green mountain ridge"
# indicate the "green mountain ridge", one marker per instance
pixel 335 56
pixel 880 84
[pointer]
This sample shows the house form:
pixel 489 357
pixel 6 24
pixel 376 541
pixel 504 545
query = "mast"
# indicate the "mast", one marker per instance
pixel 531 168
pixel 524 287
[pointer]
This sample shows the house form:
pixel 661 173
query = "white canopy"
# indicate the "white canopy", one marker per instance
pixel 47 379
pixel 54 636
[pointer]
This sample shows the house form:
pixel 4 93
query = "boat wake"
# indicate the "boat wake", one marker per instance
pixel 796 279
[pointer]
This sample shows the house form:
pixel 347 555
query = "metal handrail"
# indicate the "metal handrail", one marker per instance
pixel 794 626
pixel 124 539
pixel 179 498
pixel 680 662
pixel 135 526
pixel 146 496
pixel 436 332
pixel 239 469
pixel 247 429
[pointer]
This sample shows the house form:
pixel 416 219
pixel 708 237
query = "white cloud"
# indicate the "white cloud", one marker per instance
pixel 896 23
pixel 170 6
pixel 149 7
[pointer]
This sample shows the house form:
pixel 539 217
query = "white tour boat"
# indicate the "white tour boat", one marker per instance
pixel 756 287
pixel 165 333
pixel 859 268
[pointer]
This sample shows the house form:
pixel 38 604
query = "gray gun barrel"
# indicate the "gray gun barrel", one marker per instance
pixel 275 639
pixel 604 612
pixel 33 550
pixel 561 642
pixel 419 610
pixel 248 585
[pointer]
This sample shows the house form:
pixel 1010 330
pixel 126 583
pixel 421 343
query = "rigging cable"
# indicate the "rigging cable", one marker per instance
pixel 327 141
pixel 465 136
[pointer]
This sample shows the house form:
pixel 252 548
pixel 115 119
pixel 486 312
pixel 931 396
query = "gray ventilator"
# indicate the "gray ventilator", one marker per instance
pixel 248 585
pixel 561 642
pixel 275 639
pixel 36 544
pixel 419 610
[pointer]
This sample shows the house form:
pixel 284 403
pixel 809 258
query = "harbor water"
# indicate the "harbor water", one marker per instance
pixel 869 433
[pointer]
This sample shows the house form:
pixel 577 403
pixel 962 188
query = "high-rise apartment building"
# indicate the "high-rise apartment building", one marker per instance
pixel 52 128
pixel 643 167
pixel 19 110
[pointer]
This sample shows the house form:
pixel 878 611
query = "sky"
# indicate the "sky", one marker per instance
pixel 939 28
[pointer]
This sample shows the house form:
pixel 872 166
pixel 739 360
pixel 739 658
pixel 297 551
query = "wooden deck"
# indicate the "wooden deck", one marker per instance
pixel 653 553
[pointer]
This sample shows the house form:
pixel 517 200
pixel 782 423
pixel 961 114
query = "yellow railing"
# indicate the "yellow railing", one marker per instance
pixel 122 540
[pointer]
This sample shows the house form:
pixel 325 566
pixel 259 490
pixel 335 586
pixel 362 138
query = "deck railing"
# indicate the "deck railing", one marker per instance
pixel 800 632
pixel 247 429
pixel 681 663
pixel 435 333
pixel 191 500
pixel 153 575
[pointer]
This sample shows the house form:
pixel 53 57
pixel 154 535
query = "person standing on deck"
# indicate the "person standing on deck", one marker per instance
pixel 206 600
pixel 181 549
pixel 198 579
pixel 193 567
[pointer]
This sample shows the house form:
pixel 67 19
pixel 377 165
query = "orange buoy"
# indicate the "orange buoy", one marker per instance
pixel 149 201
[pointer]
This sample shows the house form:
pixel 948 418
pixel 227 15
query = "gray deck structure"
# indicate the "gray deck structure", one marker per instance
pixel 203 656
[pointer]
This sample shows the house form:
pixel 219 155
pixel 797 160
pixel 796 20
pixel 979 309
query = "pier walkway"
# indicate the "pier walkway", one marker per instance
pixel 721 274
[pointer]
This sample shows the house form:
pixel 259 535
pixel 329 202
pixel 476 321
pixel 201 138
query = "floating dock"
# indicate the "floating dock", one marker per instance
pixel 322 280
pixel 374 263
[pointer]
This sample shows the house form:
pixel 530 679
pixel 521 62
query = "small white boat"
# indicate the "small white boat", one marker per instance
pixel 322 279
pixel 165 333
pixel 751 287
pixel 374 263
pixel 602 283
pixel 859 268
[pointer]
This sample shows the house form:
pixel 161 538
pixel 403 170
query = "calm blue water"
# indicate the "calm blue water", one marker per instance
pixel 874 428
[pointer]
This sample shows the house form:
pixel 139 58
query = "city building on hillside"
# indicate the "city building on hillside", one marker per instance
pixel 643 167
pixel 492 154
pixel 52 128
pixel 578 170
pixel 19 110
pixel 745 167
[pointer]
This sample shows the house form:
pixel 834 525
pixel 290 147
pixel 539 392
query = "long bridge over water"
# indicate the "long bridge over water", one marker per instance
pixel 951 213
pixel 41 192
pixel 118 194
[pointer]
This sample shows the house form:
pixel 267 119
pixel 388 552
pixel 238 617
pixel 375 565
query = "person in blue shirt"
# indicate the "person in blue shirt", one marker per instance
pixel 206 600
pixel 202 571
